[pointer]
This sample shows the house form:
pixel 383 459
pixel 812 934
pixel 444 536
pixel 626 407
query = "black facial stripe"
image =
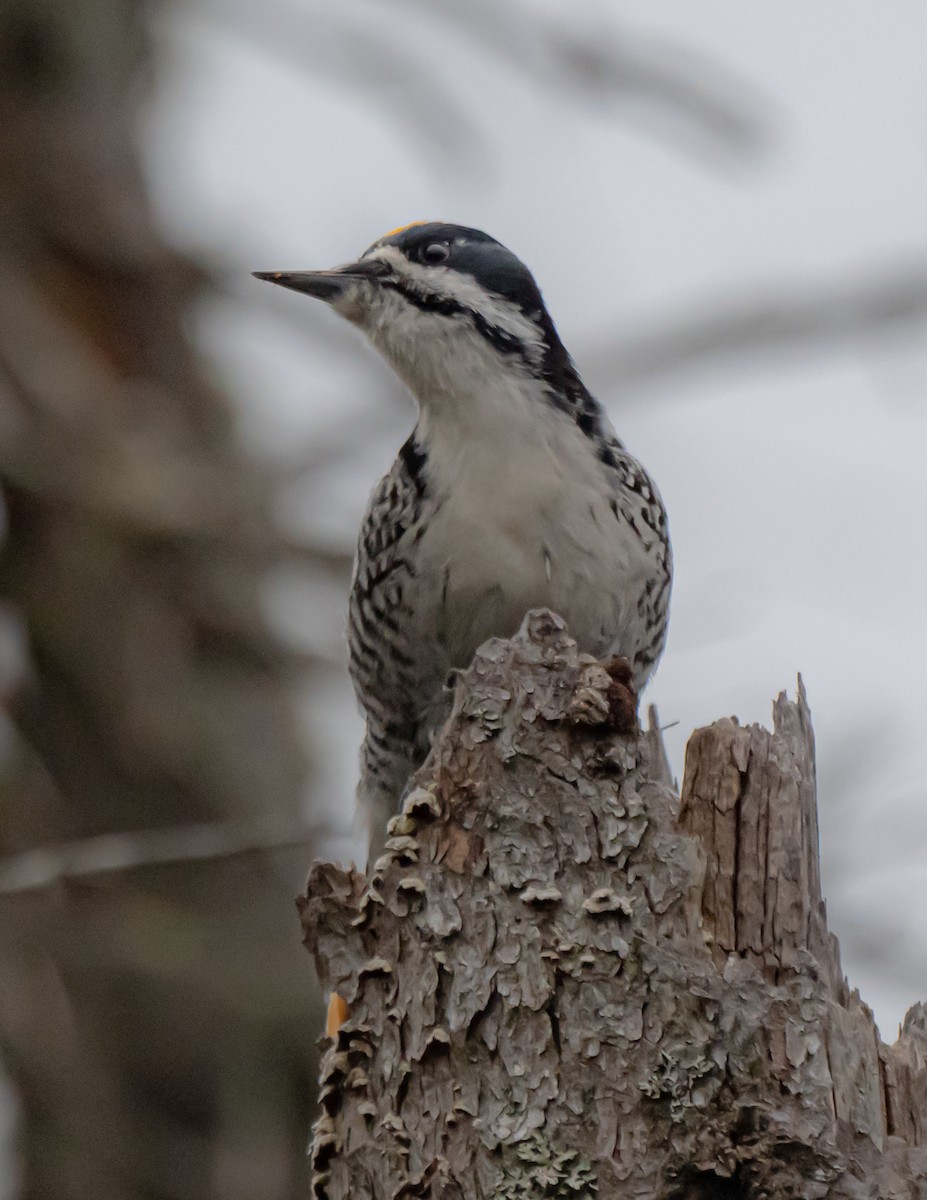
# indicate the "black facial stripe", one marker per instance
pixel 414 458
pixel 500 339
pixel 566 391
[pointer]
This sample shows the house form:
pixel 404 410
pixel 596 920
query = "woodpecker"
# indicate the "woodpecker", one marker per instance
pixel 512 492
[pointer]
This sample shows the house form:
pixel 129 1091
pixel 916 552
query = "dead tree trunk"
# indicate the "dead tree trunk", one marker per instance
pixel 565 981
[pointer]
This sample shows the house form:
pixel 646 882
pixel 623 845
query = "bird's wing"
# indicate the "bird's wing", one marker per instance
pixel 379 621
pixel 380 626
pixel 637 502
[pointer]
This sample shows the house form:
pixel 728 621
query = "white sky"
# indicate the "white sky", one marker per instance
pixel 794 481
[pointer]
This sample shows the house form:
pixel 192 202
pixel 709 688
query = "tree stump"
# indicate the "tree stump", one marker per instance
pixel 563 980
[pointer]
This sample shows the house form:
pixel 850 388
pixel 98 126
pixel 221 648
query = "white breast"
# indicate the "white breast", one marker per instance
pixel 522 520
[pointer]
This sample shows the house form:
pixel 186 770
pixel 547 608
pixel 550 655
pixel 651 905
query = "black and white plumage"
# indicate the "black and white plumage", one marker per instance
pixel 511 493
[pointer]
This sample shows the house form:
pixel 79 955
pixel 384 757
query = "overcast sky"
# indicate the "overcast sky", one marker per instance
pixel 788 169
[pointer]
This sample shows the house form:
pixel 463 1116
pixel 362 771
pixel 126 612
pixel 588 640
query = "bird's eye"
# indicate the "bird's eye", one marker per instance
pixel 437 252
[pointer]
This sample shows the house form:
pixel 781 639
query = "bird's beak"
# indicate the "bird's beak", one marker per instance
pixel 331 285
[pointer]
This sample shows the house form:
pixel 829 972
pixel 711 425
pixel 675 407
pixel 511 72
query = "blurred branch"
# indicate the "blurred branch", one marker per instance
pixel 138 479
pixel 45 866
pixel 338 440
pixel 329 42
pixel 885 304
pixel 690 98
pixel 156 715
pixel 700 95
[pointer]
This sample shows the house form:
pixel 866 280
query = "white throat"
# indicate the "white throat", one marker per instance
pixel 505 448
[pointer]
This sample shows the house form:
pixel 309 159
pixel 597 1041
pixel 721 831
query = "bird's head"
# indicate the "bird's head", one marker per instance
pixel 447 306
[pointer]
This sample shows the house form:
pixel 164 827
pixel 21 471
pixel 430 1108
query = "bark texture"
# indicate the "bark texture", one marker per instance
pixel 564 981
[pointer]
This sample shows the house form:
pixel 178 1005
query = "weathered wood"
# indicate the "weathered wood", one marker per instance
pixel 564 981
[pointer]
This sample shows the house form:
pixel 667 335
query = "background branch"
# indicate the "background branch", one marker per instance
pixel 156 1023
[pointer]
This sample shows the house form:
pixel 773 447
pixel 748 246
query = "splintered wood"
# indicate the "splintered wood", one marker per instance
pixel 563 981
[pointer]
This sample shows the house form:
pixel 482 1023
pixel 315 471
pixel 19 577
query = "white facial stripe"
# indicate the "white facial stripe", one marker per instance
pixel 448 284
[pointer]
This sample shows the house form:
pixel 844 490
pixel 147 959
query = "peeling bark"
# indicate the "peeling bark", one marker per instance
pixel 563 980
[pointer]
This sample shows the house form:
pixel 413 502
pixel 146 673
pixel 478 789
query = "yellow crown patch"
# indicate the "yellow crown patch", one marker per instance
pixel 403 228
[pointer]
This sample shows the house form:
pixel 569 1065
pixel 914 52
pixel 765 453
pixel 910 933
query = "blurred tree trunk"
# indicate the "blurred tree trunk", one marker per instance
pixel 562 981
pixel 156 1022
